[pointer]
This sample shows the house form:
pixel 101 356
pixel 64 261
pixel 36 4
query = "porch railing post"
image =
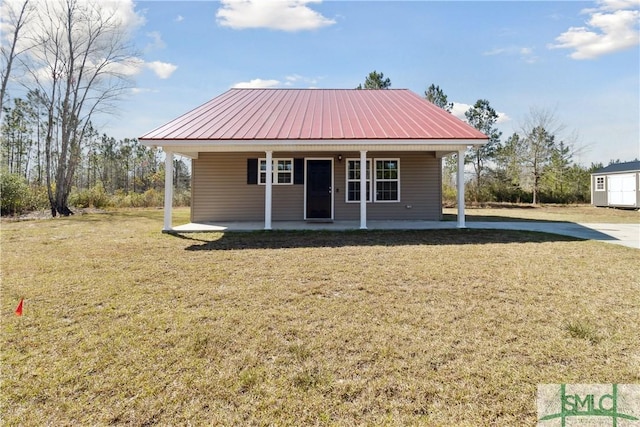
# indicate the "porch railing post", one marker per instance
pixel 267 191
pixel 168 190
pixel 363 189
pixel 460 185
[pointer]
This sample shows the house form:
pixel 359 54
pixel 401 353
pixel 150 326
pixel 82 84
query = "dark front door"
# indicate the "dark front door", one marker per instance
pixel 319 189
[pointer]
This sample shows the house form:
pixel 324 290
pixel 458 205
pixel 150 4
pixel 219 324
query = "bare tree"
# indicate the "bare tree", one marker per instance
pixel 79 61
pixel 540 130
pixel 15 16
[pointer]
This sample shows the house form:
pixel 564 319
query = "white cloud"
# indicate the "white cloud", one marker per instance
pixel 526 54
pixel 460 108
pixel 156 41
pixel 134 66
pixel 296 79
pixel 179 18
pixel 138 90
pixel 293 78
pixel 121 14
pixel 256 84
pixel 290 80
pixel 285 15
pixel 611 27
pixel 496 51
pixel 120 17
pixel 503 118
pixel 130 67
pixel 616 4
pixel 162 69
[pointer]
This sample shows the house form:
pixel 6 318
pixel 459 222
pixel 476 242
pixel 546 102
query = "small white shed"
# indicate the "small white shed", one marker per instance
pixel 617 185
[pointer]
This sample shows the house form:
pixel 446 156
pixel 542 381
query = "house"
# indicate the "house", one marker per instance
pixel 297 155
pixel 617 185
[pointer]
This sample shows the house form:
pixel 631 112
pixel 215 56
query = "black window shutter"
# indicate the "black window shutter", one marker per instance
pixel 298 171
pixel 252 171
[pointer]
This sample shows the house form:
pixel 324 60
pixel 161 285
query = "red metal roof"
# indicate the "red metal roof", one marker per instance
pixel 314 114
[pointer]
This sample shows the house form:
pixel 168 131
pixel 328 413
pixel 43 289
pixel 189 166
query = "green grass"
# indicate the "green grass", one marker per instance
pixel 583 330
pixel 125 325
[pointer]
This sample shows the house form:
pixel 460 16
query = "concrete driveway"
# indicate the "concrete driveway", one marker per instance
pixel 619 234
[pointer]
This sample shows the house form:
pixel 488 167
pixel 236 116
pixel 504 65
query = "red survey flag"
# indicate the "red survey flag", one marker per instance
pixel 19 307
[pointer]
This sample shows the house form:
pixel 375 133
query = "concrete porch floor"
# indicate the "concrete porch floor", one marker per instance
pixel 312 225
pixel 620 234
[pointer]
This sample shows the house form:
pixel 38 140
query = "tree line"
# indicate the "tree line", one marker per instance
pixel 123 164
pixel 534 165
pixel 71 58
pixel 107 172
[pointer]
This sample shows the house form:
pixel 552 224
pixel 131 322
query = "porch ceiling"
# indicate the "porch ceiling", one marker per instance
pixel 191 148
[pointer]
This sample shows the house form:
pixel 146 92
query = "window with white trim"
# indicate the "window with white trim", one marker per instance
pixel 387 180
pixel 599 183
pixel 353 180
pixel 282 171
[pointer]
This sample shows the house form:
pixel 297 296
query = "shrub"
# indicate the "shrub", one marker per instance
pixel 14 194
pixel 182 198
pixel 38 198
pixel 94 197
pixel 449 195
pixel 153 198
pixel 127 200
pixel 149 199
pixel 508 193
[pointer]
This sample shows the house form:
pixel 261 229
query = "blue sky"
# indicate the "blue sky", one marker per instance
pixel 578 59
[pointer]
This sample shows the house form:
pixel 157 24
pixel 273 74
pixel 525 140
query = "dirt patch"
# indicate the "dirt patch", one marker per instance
pixel 46 214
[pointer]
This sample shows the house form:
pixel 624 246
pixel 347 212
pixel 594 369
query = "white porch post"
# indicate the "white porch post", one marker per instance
pixel 267 191
pixel 363 189
pixel 460 185
pixel 168 189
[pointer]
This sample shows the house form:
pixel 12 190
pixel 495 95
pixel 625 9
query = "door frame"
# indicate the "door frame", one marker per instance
pixel 306 169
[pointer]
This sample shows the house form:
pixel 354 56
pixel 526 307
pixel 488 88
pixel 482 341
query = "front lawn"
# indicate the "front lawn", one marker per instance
pixel 527 212
pixel 125 325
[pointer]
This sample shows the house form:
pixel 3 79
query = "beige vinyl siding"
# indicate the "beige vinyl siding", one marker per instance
pixel 220 191
pixel 420 189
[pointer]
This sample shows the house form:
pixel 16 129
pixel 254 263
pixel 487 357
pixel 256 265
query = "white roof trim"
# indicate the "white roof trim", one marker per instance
pixel 305 142
pixel 317 148
pixel 187 146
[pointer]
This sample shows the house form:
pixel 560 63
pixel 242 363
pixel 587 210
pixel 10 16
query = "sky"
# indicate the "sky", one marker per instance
pixel 579 60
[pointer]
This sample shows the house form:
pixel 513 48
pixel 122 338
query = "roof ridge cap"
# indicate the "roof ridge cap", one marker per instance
pixel 317 88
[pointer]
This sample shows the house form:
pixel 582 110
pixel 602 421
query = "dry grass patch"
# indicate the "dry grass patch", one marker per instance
pixel 568 213
pixel 124 325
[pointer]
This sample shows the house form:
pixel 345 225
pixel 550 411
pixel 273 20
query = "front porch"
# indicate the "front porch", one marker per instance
pixel 240 205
